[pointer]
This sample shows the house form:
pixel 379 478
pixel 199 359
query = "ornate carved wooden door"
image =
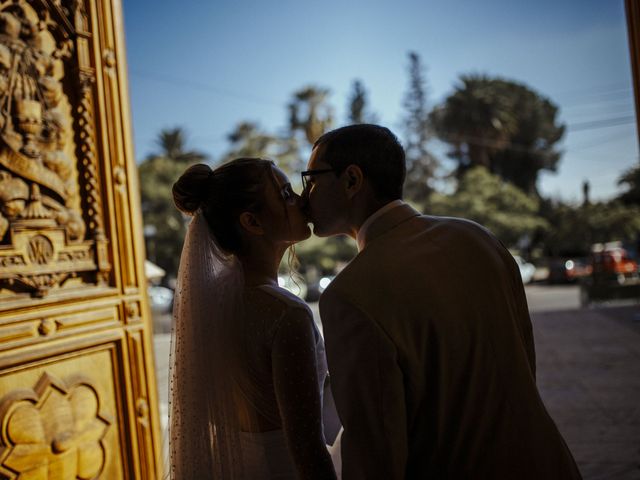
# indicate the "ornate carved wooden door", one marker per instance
pixel 77 387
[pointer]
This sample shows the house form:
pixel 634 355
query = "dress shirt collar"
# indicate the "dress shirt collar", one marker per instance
pixel 360 237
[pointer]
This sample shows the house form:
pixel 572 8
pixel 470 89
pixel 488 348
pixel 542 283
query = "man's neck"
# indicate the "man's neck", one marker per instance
pixel 361 215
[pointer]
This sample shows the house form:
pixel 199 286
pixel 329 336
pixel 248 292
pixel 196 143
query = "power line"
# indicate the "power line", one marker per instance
pixel 181 82
pixel 571 96
pixel 602 96
pixel 600 141
pixel 583 126
pixel 575 127
pixel 604 123
pixel 626 100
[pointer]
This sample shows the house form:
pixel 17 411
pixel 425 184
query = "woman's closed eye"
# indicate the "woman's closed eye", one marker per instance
pixel 288 195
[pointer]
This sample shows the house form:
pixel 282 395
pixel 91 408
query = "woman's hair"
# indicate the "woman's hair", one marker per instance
pixel 223 194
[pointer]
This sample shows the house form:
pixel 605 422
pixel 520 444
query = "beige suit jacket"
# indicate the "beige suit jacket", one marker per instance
pixel 432 359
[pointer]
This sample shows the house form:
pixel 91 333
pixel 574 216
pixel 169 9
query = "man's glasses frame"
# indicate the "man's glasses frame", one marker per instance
pixel 307 173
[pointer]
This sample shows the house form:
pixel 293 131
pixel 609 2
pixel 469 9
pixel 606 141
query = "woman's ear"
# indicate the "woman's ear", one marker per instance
pixel 251 223
pixel 354 178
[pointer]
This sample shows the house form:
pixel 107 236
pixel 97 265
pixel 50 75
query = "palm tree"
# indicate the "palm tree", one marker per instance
pixel 310 112
pixel 157 173
pixel 248 140
pixel 172 143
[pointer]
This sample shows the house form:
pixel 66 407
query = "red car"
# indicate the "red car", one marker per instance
pixel 610 261
pixel 615 275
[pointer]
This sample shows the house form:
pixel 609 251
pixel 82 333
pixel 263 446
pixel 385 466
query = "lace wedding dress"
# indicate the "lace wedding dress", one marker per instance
pixel 287 363
pixel 247 370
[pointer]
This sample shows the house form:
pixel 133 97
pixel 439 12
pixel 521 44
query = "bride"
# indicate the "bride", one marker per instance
pixel 248 362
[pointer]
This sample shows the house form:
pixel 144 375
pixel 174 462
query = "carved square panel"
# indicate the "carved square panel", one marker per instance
pixel 59 419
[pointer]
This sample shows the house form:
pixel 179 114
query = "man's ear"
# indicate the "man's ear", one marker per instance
pixel 354 180
pixel 251 223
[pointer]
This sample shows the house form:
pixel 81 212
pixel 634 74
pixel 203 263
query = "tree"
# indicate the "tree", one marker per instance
pixel 357 105
pixel 630 178
pixel 501 125
pixel 500 206
pixel 172 143
pixel 164 224
pixel 421 164
pixel 575 228
pixel 248 140
pixel 326 254
pixel 310 113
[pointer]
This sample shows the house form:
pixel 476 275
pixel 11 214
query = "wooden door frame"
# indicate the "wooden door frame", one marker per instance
pixel 632 8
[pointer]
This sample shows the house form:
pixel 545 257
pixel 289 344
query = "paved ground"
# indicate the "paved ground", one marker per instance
pixel 589 378
pixel 588 364
pixel 546 298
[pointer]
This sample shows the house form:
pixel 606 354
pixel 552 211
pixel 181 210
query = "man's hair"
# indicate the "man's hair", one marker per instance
pixel 375 149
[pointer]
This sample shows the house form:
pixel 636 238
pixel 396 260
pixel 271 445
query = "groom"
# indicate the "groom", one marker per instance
pixel 427 330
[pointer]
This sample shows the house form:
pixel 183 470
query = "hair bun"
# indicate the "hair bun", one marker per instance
pixel 192 188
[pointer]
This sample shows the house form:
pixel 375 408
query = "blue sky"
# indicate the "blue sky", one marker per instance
pixel 208 65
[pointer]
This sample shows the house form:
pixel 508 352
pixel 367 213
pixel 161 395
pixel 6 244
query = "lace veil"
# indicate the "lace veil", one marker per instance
pixel 203 424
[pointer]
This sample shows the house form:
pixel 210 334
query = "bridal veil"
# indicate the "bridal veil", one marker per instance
pixel 203 424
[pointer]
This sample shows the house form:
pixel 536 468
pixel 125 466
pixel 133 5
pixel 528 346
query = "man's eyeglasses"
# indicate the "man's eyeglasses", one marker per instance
pixel 309 173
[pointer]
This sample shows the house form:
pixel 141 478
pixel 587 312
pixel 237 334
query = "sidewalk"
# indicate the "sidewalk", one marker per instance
pixel 588 370
pixel 589 378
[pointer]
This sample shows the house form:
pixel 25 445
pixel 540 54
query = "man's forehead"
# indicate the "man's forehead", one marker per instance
pixel 316 161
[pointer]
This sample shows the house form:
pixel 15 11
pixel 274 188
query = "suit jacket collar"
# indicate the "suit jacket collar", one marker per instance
pixel 388 221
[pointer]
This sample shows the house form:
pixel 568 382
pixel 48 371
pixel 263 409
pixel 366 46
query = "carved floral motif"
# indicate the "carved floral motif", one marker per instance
pixel 53 431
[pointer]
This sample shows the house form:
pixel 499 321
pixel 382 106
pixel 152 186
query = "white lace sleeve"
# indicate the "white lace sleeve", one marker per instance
pixel 296 387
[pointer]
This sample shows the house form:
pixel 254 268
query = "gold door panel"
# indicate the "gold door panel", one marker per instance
pixel 77 389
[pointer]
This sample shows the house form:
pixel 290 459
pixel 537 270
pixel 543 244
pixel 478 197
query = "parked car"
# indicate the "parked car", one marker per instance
pixel 568 270
pixel 160 298
pixel 614 275
pixel 612 262
pixel 526 269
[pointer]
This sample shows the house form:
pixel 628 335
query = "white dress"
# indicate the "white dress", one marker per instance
pixel 287 369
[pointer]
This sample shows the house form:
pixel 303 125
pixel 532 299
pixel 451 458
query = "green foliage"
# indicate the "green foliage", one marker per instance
pixel 575 228
pixel 501 133
pixel 326 254
pixel 248 140
pixel 631 179
pixel 310 113
pixel 172 144
pixel 164 224
pixel 501 125
pixel 421 164
pixel 357 105
pixel 500 206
